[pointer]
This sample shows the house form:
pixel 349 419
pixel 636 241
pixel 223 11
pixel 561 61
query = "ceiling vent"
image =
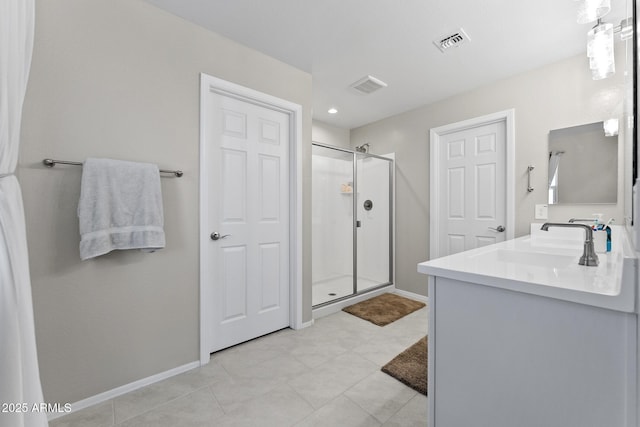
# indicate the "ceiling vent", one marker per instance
pixel 368 84
pixel 451 40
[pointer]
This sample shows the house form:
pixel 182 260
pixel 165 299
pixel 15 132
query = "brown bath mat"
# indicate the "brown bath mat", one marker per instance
pixel 384 309
pixel 410 367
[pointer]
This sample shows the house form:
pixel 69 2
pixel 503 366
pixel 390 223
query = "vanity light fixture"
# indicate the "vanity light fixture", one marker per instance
pixel 600 38
pixel 600 51
pixel 592 10
pixel 625 29
pixel 332 111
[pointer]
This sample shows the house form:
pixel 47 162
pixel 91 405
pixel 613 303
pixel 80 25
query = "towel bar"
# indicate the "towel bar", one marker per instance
pixel 529 187
pixel 51 163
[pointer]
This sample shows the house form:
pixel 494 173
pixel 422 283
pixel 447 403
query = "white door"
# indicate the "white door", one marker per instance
pixel 247 177
pixel 472 175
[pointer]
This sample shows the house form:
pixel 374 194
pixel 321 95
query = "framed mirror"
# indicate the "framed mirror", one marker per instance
pixel 583 164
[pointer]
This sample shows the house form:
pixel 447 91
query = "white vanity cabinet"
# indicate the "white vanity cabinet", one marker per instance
pixel 499 358
pixel 513 344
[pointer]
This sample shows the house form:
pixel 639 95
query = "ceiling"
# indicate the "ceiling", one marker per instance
pixel 341 41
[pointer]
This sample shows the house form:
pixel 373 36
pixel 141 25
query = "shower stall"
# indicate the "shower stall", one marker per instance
pixel 352 253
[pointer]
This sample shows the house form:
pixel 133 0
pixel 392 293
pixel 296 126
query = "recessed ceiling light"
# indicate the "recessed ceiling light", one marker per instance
pixel 332 111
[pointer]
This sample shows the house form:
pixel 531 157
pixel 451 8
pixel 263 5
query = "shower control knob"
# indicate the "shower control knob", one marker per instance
pixel 216 236
pixel 368 205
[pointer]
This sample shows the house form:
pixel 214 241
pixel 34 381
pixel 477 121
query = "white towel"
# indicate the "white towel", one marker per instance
pixel 120 207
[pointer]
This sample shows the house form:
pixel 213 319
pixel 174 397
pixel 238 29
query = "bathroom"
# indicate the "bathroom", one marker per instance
pixel 105 94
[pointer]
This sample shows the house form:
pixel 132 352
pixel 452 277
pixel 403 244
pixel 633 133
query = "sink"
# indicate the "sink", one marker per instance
pixel 526 258
pixel 557 237
pixel 537 259
pixel 546 264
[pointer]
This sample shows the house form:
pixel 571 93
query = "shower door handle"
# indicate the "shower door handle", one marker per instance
pixel 216 236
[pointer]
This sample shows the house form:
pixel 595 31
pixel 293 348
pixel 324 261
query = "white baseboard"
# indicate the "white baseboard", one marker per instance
pixel 119 391
pixel 301 325
pixel 339 305
pixel 306 324
pixel 412 295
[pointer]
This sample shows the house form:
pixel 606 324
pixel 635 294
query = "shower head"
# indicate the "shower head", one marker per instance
pixel 364 148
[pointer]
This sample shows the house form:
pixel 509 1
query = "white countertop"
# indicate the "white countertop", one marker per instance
pixel 548 267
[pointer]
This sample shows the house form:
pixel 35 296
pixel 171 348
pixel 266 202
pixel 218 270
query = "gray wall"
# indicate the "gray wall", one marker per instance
pixel 120 78
pixel 556 96
pixel 331 135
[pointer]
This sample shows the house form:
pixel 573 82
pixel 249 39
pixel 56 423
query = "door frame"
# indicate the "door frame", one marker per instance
pixel 210 84
pixel 435 190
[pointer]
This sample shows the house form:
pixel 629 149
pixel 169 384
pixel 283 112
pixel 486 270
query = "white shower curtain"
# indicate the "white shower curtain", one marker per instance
pixel 20 387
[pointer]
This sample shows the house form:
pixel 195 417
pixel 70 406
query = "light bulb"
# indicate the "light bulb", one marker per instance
pixel 600 51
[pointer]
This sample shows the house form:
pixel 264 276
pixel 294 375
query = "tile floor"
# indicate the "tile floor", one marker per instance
pixel 325 375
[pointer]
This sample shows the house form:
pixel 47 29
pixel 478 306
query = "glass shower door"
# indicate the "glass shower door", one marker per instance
pixel 332 224
pixel 373 209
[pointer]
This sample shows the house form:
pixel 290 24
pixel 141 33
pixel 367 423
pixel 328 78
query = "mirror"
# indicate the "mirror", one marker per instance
pixel 583 164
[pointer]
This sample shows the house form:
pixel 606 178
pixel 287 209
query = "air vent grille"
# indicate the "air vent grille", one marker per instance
pixel 368 84
pixel 451 40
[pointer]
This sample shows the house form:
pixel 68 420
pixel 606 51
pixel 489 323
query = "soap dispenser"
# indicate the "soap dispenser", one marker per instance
pixel 607 228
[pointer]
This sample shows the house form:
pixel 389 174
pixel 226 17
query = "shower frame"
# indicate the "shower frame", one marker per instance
pixel 355 225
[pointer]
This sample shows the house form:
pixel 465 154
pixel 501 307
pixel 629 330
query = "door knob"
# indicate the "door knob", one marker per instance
pixel 499 229
pixel 216 236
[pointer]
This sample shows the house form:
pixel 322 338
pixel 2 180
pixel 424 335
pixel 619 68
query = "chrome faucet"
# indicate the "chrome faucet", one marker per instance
pixel 589 256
